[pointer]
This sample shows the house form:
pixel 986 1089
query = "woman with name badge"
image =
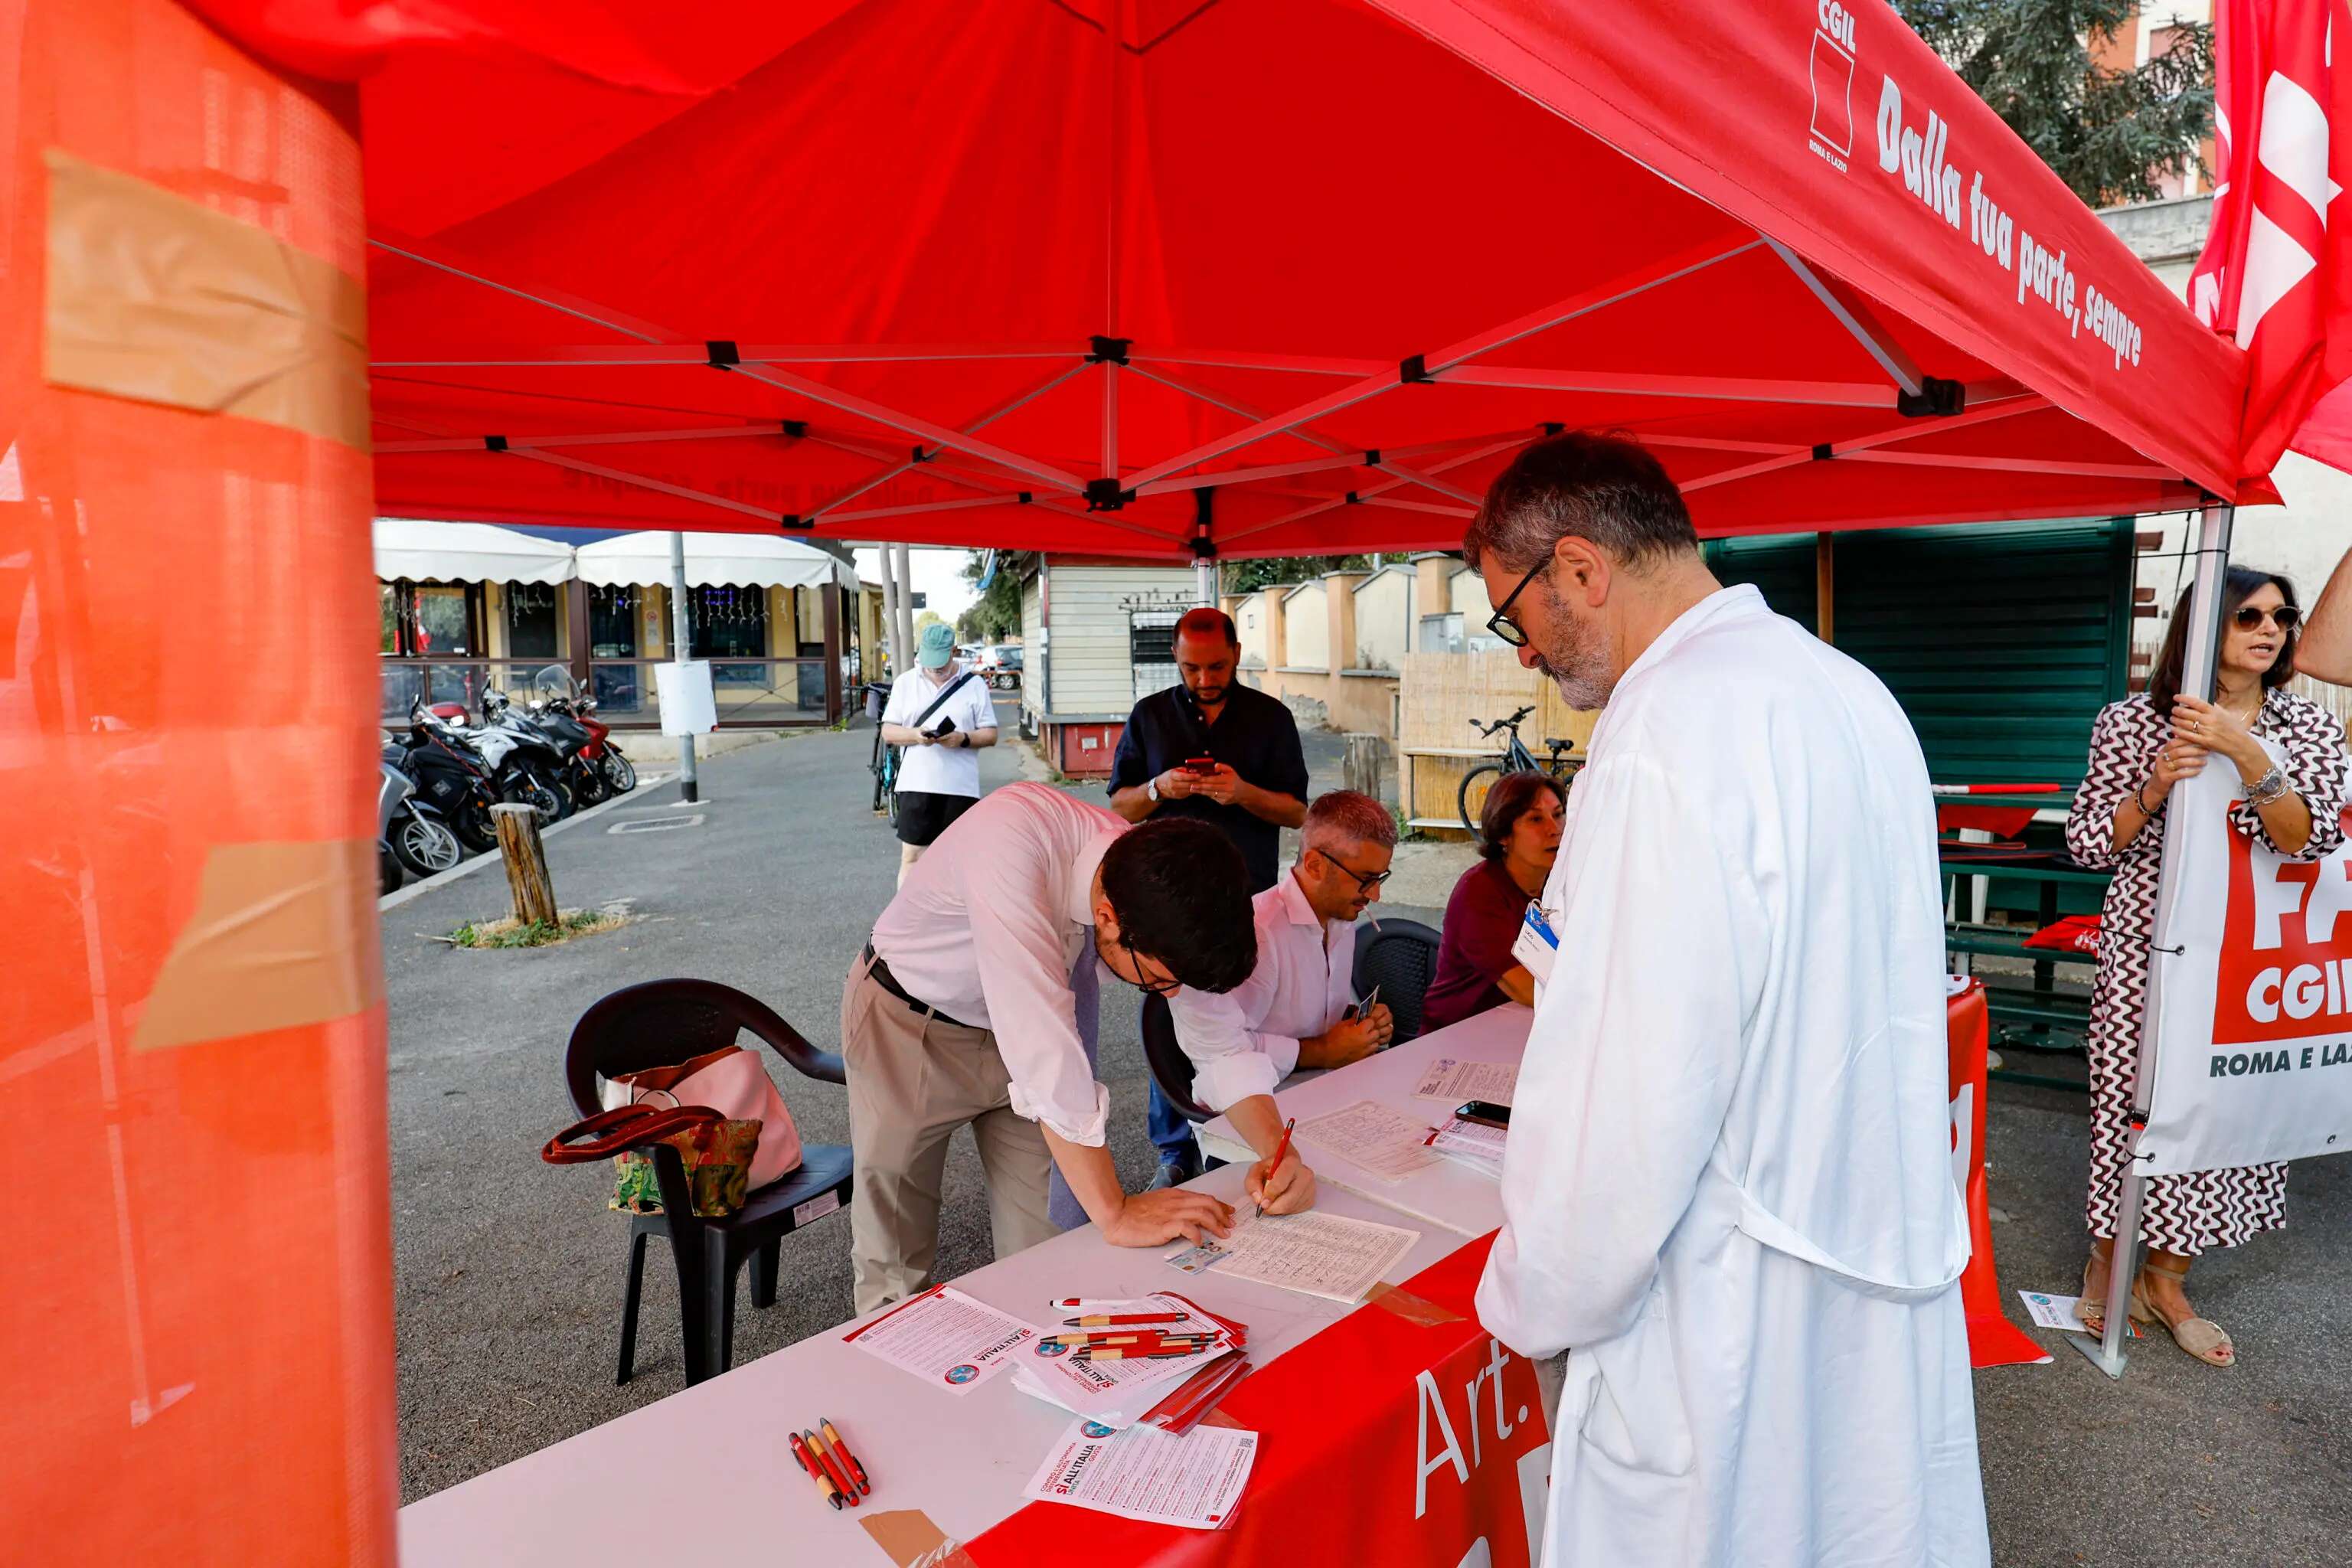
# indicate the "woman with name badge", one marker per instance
pixel 2140 748
pixel 1518 832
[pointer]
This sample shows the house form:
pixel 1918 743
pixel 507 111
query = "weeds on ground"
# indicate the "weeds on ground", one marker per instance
pixel 511 933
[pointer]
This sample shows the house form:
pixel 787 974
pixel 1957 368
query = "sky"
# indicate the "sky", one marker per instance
pixel 939 573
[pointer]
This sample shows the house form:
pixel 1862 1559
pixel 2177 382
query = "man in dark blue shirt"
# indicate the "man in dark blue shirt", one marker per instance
pixel 1255 788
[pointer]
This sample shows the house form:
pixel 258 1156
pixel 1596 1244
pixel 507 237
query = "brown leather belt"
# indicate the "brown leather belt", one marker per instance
pixel 880 972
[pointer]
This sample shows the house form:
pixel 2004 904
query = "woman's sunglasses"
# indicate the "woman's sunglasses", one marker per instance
pixel 2286 617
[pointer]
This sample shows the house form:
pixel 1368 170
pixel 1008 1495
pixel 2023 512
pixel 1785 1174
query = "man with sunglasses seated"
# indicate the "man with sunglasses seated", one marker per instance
pixel 1296 1010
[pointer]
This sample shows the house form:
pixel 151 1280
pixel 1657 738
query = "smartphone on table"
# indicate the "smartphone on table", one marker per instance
pixel 1484 1112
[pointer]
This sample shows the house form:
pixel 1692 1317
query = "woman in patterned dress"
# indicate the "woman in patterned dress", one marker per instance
pixel 2140 748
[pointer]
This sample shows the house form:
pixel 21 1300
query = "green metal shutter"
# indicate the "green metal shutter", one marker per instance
pixel 2002 641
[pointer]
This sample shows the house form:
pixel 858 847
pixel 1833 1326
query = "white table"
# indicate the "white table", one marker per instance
pixel 1447 1194
pixel 713 1461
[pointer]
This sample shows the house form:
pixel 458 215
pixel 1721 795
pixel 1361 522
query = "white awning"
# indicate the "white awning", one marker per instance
pixel 427 551
pixel 712 560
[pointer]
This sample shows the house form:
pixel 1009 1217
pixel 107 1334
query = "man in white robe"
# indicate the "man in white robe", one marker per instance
pixel 1727 1188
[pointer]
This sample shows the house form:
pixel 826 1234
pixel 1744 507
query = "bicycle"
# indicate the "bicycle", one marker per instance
pixel 1515 758
pixel 885 767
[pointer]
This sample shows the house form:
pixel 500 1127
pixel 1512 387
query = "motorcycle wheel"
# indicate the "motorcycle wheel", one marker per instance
pixel 589 786
pixel 475 829
pixel 550 799
pixel 619 771
pixel 425 846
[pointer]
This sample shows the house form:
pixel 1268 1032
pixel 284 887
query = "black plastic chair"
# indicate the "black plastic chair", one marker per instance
pixel 657 1024
pixel 1171 1069
pixel 1400 958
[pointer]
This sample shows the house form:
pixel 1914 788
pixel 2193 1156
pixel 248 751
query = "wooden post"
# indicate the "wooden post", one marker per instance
pixel 526 858
pixel 1359 767
pixel 1824 587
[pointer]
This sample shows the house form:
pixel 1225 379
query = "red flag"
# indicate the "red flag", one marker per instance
pixel 2273 275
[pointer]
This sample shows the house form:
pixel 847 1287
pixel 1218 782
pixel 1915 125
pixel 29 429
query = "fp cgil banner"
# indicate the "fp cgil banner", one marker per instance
pixel 2254 1017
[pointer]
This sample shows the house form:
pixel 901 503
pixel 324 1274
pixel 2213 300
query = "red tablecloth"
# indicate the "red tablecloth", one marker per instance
pixel 1383 1441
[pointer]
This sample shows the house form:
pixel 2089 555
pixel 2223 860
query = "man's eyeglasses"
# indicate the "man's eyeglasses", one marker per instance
pixel 1501 622
pixel 2287 617
pixel 1367 881
pixel 1167 987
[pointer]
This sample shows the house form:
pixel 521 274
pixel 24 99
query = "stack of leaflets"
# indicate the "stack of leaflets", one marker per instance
pixel 1120 1392
pixel 1471 1143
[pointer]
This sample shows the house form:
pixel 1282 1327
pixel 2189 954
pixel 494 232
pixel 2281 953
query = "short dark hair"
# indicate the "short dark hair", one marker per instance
pixel 1181 894
pixel 1598 485
pixel 2238 585
pixel 1208 621
pixel 1507 800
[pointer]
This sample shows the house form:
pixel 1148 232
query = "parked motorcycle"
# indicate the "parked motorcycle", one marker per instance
pixel 451 775
pixel 413 828
pixel 550 714
pixel 525 764
pixel 556 697
pixel 391 788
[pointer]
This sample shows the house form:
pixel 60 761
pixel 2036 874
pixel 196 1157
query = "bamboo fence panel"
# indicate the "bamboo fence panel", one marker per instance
pixel 1439 694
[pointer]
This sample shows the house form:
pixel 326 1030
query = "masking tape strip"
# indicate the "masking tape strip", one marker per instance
pixel 157 298
pixel 283 934
pixel 1412 1308
pixel 912 1541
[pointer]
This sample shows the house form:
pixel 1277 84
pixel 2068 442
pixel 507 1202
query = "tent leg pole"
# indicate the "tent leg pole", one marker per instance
pixel 2200 655
pixel 681 639
pixel 906 576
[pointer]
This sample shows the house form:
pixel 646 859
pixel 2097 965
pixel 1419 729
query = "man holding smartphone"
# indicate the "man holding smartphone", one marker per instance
pixel 941 713
pixel 1226 754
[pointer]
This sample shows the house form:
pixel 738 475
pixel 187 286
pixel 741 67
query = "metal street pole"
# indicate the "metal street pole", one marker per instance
pixel 2201 653
pixel 681 639
pixel 906 602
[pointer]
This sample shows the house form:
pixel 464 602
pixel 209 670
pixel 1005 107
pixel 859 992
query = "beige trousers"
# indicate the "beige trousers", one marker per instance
pixel 913 1080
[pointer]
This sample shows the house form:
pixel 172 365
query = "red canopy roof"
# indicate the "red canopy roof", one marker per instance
pixel 1089 274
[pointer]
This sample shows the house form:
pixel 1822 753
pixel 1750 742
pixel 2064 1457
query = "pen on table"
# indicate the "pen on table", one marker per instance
pixel 1275 1163
pixel 1143 1342
pixel 825 1486
pixel 832 1467
pixel 1139 1355
pixel 1104 1320
pixel 849 1458
pixel 1124 1336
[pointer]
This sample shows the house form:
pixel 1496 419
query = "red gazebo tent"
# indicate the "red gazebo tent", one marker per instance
pixel 1154 277
pixel 1293 275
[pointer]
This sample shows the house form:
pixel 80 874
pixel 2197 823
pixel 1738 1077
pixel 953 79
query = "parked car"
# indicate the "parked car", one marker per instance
pixel 1001 668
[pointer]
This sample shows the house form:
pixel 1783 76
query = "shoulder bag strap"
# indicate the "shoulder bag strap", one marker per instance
pixel 953 687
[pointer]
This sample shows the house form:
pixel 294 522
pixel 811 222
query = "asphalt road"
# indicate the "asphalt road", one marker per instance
pixel 508 1272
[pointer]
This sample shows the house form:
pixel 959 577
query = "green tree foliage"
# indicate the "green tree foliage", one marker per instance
pixel 1249 576
pixel 995 616
pixel 2111 135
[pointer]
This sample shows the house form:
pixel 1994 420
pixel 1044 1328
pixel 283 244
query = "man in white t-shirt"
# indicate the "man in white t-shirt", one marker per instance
pixel 938 777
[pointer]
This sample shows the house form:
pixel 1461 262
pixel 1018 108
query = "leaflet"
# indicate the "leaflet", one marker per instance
pixel 1143 1472
pixel 1386 1143
pixel 1320 1253
pixel 1455 1081
pixel 1471 1143
pixel 945 1338
pixel 1116 1392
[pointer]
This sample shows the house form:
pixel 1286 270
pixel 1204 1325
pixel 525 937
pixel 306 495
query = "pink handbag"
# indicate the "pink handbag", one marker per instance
pixel 735 1083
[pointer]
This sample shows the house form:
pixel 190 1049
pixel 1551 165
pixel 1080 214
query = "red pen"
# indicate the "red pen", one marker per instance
pixel 1106 1320
pixel 847 1457
pixel 1275 1163
pixel 832 1467
pixel 825 1486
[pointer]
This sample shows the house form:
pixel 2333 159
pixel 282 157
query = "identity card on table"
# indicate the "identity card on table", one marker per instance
pixel 1320 1253
pixel 945 1338
pixel 1455 1081
pixel 1143 1472
pixel 1386 1143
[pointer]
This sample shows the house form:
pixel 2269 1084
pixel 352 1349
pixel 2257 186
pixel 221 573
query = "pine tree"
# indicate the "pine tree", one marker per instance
pixel 2111 135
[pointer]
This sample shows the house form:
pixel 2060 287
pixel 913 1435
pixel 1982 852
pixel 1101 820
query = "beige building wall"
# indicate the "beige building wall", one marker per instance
pixel 1306 628
pixel 1385 612
pixel 1250 616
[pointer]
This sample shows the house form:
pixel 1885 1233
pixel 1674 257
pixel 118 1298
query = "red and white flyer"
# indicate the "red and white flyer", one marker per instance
pixel 1142 1472
pixel 946 1338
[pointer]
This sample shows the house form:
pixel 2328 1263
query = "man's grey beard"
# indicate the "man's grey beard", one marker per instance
pixel 1580 659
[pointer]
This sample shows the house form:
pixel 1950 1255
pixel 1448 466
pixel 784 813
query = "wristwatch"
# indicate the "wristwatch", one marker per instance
pixel 1151 788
